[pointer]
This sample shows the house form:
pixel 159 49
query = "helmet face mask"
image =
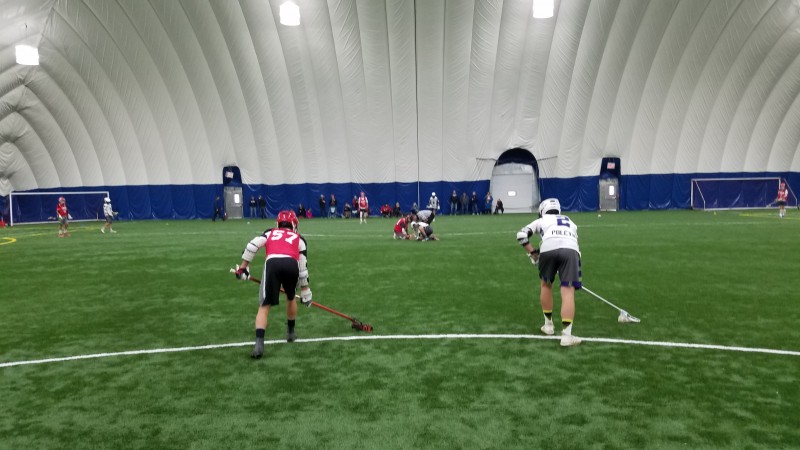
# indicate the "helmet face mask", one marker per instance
pixel 107 200
pixel 549 205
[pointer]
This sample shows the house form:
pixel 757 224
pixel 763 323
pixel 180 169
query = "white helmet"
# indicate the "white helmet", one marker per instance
pixel 433 194
pixel 550 204
pixel 107 200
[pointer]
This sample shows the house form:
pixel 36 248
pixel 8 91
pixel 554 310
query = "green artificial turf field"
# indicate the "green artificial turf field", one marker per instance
pixel 692 277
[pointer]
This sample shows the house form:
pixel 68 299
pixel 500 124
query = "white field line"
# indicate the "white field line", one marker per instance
pixel 408 337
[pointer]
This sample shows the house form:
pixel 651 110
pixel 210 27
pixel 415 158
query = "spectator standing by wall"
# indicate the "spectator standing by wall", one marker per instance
pixel 487 203
pixel 473 203
pixel 253 206
pixel 464 203
pixel 453 203
pixel 262 207
pixel 218 210
pixel 322 210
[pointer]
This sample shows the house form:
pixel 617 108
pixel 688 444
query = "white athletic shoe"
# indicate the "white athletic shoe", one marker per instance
pixel 103 230
pixel 568 340
pixel 548 328
pixel 113 231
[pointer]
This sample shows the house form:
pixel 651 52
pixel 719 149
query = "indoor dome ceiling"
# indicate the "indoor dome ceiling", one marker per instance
pixel 133 92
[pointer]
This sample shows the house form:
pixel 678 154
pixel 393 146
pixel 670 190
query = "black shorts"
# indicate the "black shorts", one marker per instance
pixel 780 203
pixel 364 210
pixel 566 262
pixel 278 273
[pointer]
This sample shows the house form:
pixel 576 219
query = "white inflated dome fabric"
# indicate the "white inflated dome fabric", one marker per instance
pixel 167 92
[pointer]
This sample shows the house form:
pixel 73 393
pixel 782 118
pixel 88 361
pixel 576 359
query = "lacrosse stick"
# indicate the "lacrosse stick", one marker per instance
pixel 624 316
pixel 355 323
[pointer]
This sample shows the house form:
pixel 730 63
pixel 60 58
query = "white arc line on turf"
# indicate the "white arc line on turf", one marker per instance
pixel 409 337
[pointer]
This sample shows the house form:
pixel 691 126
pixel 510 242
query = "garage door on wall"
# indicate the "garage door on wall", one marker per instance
pixel 516 185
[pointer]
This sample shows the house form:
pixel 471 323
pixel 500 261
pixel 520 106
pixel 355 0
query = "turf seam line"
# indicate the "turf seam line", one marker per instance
pixel 408 337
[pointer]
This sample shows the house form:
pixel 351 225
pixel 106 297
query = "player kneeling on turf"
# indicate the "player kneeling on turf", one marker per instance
pixel 559 254
pixel 285 268
pixel 401 228
pixel 423 231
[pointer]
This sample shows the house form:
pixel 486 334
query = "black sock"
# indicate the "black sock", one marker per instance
pixel 566 323
pixel 291 325
pixel 549 315
pixel 260 332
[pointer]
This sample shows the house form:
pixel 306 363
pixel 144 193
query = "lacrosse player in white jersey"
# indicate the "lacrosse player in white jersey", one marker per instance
pixel 559 253
pixel 108 211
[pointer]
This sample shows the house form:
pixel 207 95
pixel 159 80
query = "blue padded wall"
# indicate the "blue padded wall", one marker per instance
pixel 668 191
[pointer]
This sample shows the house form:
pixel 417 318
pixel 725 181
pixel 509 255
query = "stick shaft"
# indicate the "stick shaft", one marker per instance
pixel 332 311
pixel 323 307
pixel 601 298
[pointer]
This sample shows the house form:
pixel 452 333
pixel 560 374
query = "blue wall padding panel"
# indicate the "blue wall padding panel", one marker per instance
pixel 662 191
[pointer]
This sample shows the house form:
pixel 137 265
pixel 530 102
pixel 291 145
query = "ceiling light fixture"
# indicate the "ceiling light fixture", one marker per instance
pixel 290 14
pixel 543 9
pixel 27 55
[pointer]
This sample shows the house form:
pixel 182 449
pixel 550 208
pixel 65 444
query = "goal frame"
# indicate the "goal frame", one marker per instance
pixel 695 187
pixel 59 193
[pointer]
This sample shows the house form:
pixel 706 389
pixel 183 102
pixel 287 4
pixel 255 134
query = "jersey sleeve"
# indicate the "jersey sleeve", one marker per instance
pixel 303 247
pixel 253 246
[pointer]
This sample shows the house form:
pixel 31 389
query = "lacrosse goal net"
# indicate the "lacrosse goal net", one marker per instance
pixel 710 194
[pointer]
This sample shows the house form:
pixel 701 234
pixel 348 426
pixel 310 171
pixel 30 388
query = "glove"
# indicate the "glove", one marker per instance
pixel 305 297
pixel 242 274
pixel 534 256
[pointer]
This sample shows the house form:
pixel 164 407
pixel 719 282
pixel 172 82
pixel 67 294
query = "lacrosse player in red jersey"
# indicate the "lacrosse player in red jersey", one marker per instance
pixel 285 268
pixel 560 254
pixel 401 228
pixel 363 208
pixel 783 197
pixel 62 215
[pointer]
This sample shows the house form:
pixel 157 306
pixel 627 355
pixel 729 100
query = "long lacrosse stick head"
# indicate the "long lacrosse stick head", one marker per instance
pixel 624 317
pixel 360 326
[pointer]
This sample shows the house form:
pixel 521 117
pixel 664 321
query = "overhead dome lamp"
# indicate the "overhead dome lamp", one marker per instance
pixel 290 14
pixel 543 9
pixel 27 55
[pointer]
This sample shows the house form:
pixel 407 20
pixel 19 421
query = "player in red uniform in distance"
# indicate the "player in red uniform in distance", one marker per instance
pixel 285 268
pixel 62 215
pixel 363 208
pixel 401 228
pixel 783 197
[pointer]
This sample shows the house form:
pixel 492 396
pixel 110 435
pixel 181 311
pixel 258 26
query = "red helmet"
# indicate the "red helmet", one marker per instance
pixel 61 199
pixel 287 216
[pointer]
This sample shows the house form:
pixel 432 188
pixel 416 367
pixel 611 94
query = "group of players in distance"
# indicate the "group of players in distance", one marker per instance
pixel 63 216
pixel 420 223
pixel 286 267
